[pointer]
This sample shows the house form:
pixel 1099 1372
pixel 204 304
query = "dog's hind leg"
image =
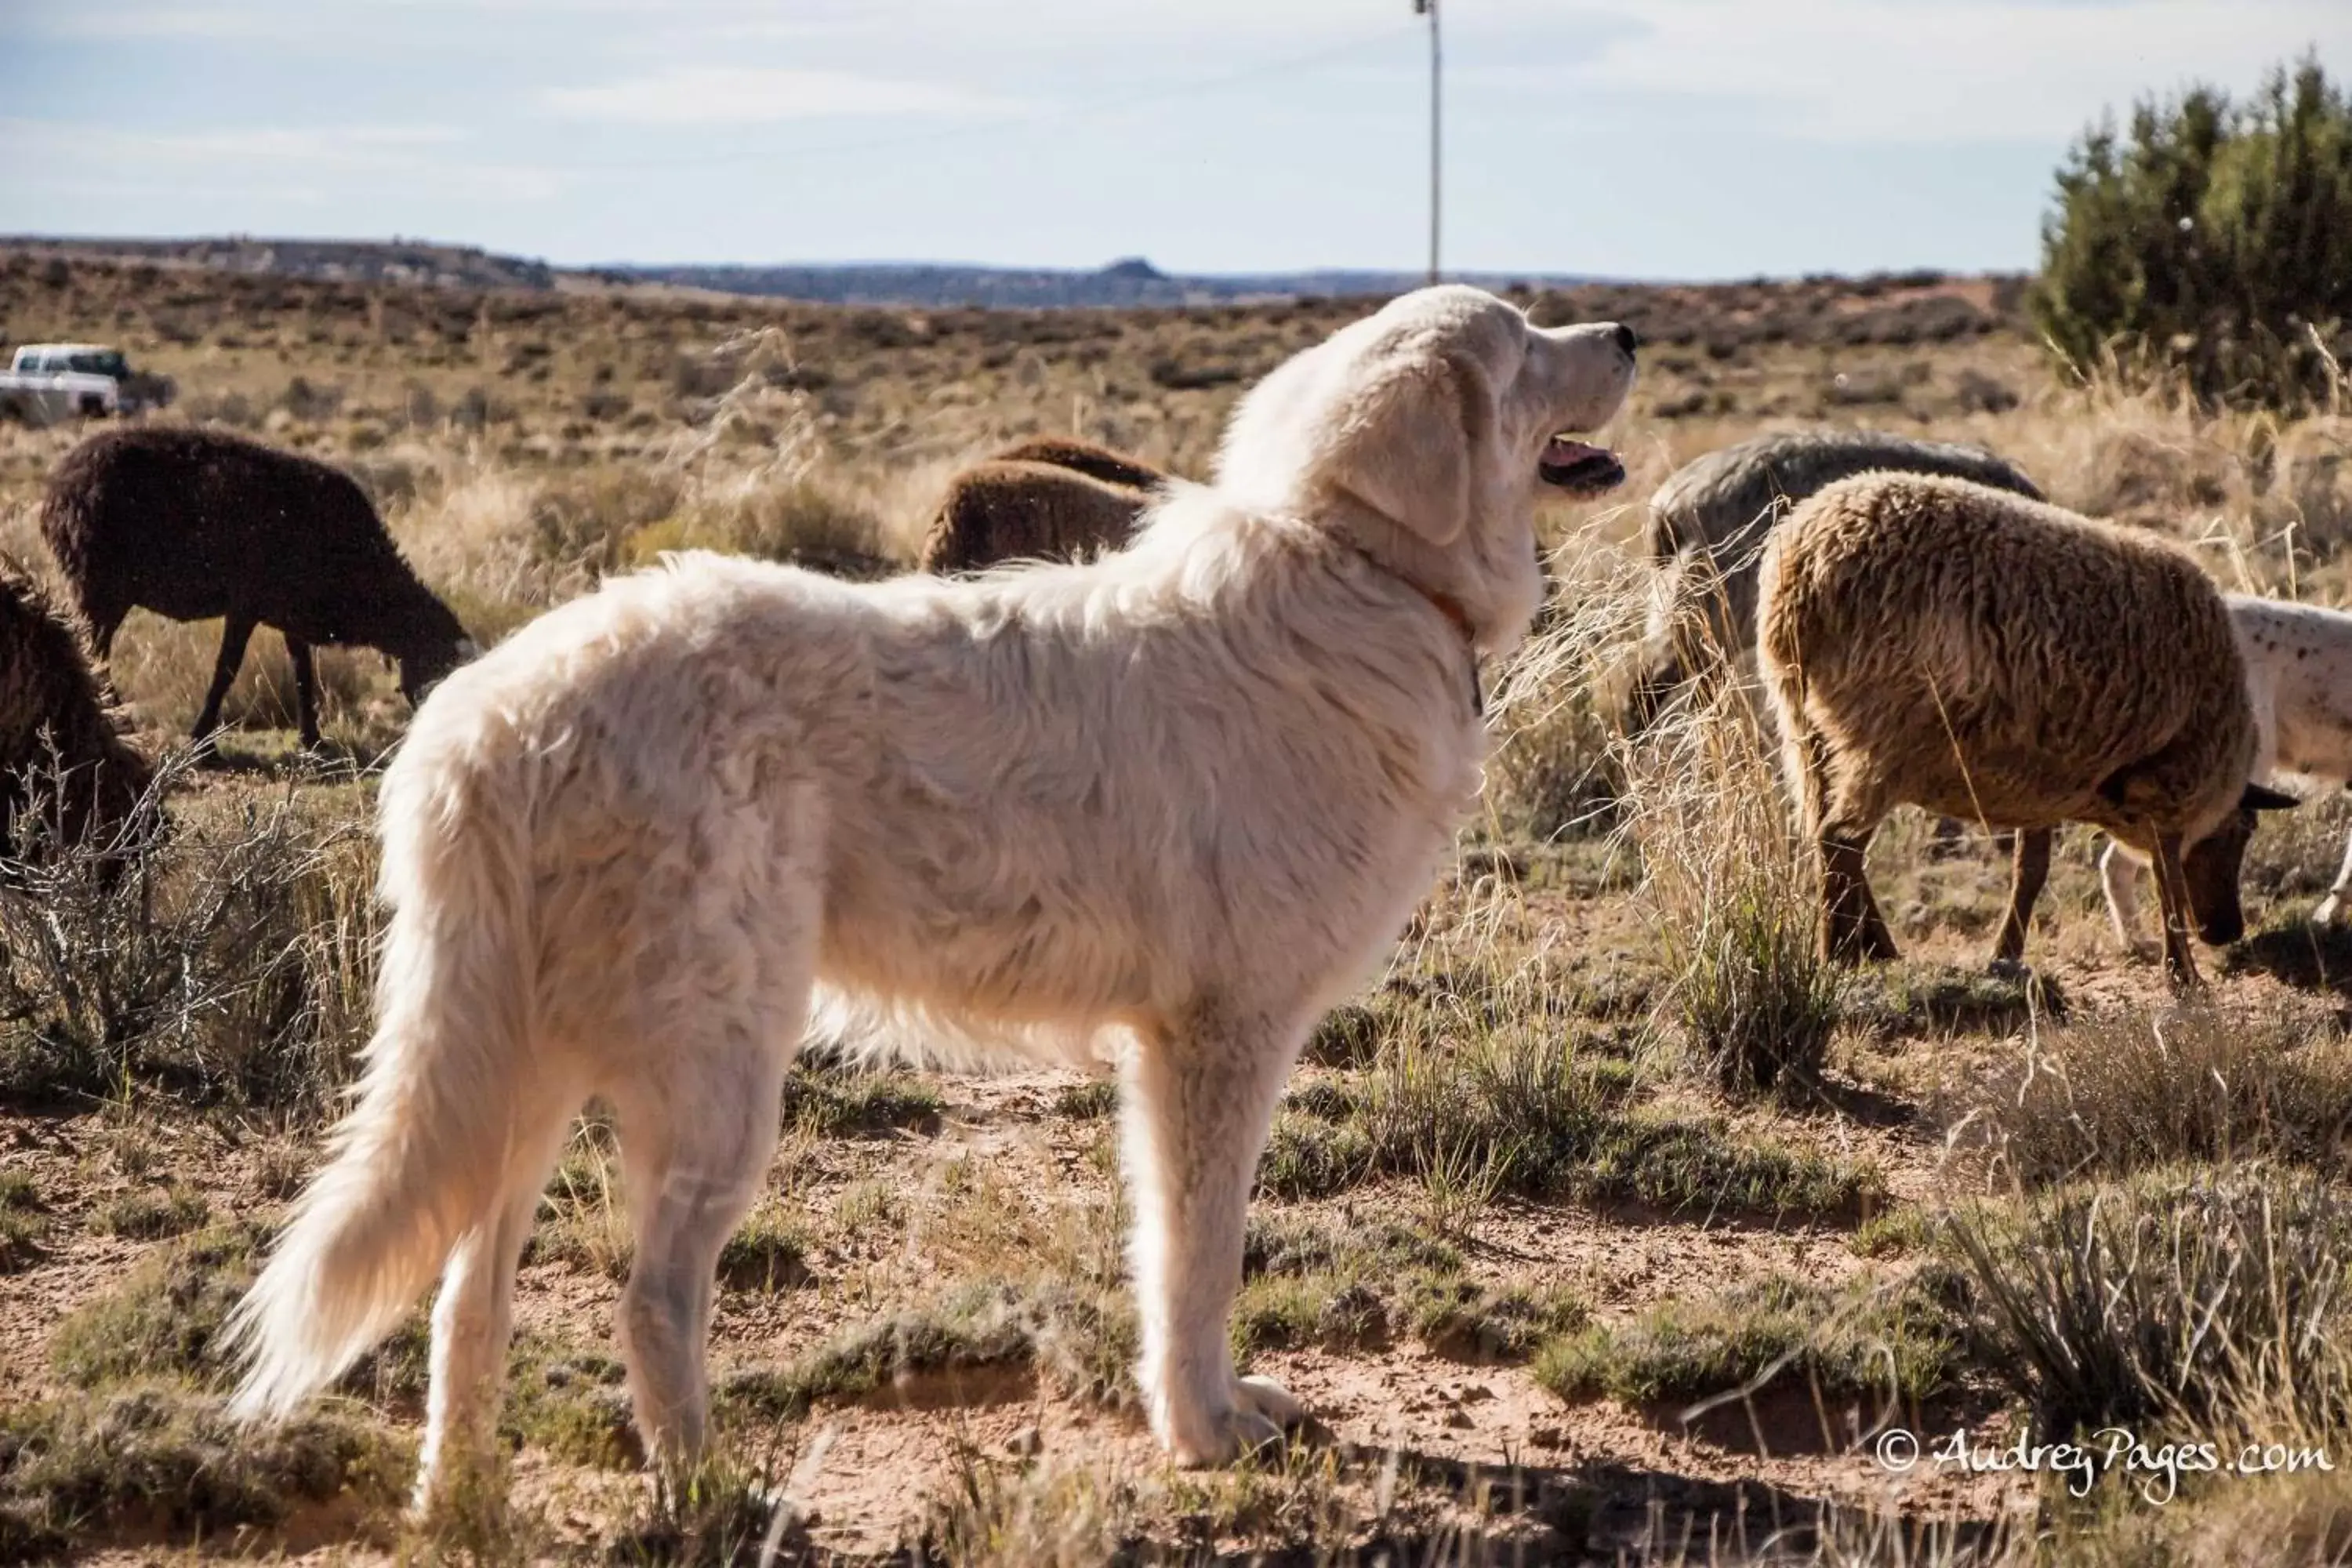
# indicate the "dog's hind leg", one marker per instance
pixel 695 1147
pixel 473 1318
pixel 1198 1101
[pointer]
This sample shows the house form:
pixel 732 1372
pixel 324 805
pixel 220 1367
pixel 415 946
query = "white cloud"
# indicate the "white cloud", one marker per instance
pixel 289 160
pixel 741 95
pixel 148 20
pixel 1951 70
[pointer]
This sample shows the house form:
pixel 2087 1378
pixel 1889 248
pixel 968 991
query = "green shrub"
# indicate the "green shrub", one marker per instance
pixel 2213 238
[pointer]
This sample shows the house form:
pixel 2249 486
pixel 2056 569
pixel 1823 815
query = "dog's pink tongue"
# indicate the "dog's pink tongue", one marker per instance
pixel 1560 452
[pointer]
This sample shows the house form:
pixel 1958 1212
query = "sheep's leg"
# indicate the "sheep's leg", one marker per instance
pixel 2172 896
pixel 2119 877
pixel 1853 931
pixel 2029 870
pixel 236 632
pixel 306 690
pixel 2332 905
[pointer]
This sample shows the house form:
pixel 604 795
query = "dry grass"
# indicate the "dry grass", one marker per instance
pixel 1498 1164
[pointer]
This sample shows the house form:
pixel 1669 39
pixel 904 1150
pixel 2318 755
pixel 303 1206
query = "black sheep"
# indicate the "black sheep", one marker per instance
pixel 195 523
pixel 55 710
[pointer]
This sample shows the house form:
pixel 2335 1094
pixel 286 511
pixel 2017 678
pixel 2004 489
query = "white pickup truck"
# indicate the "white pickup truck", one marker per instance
pixel 46 382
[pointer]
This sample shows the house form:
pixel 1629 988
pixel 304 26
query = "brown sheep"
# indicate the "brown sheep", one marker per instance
pixel 1937 642
pixel 55 707
pixel 1050 498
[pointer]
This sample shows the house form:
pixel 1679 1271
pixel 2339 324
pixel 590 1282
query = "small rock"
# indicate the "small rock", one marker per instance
pixel 1024 1443
pixel 1458 1420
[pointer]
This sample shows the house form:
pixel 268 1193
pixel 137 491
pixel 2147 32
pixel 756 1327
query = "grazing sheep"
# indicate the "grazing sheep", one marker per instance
pixel 55 707
pixel 1098 462
pixel 1049 498
pixel 1937 642
pixel 2299 680
pixel 195 523
pixel 1708 523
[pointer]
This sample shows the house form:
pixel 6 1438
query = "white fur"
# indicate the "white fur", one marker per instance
pixel 2299 684
pixel 1163 808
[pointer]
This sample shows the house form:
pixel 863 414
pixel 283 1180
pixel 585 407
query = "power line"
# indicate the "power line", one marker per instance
pixel 1436 205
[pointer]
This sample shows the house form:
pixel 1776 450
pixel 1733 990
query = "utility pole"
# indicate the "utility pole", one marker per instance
pixel 1429 8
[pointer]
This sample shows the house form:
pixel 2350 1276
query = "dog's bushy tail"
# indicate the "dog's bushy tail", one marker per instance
pixel 424 1156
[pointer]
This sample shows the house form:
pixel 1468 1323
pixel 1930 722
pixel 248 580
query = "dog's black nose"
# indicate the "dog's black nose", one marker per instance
pixel 1626 340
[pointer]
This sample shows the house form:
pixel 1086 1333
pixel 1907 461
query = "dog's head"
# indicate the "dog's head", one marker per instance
pixel 1423 432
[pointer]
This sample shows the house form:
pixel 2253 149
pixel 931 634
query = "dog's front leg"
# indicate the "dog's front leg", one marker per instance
pixel 1198 1102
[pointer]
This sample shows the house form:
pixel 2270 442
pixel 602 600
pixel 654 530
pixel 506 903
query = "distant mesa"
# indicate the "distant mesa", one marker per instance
pixel 1128 283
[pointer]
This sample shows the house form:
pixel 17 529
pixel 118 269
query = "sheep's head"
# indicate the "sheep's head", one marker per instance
pixel 424 668
pixel 2213 863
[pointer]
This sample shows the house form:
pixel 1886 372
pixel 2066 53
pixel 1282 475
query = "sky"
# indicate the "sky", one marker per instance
pixel 1641 139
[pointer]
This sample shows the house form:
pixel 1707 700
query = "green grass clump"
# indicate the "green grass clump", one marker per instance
pixel 147 1215
pixel 1342 1283
pixel 1471 1321
pixel 1519 1111
pixel 1728 886
pixel 571 1402
pixel 1912 998
pixel 21 1221
pixel 838 1103
pixel 164 1318
pixel 768 1252
pixel 1902 1342
pixel 1089 1101
pixel 160 1459
pixel 1081 1337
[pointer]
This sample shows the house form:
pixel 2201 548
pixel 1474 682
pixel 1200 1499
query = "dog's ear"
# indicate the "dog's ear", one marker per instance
pixel 1410 442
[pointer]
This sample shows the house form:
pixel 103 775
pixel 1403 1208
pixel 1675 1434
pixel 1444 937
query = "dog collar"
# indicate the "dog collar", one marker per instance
pixel 1449 606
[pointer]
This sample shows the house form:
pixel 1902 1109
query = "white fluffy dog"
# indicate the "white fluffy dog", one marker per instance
pixel 1163 808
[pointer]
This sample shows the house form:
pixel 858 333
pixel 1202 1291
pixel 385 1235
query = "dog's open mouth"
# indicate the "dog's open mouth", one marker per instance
pixel 1578 467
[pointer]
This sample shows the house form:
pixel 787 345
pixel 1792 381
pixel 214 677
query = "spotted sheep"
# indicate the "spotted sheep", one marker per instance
pixel 2298 661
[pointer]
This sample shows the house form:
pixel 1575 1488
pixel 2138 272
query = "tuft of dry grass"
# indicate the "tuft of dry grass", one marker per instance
pixel 2109 1095
pixel 232 964
pixel 1729 886
pixel 2198 1296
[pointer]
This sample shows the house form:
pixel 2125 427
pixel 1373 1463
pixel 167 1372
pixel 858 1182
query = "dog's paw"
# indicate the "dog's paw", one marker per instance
pixel 1260 1411
pixel 1269 1399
